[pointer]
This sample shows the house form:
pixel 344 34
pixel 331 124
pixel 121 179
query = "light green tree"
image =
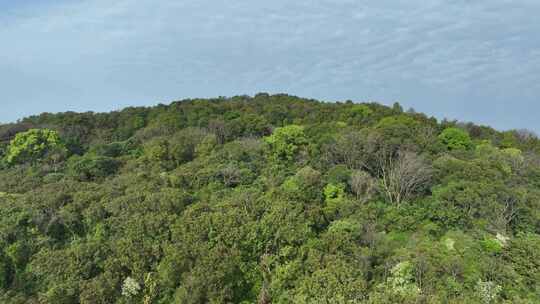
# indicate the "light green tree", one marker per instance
pixel 334 196
pixel 285 142
pixel 456 139
pixel 33 145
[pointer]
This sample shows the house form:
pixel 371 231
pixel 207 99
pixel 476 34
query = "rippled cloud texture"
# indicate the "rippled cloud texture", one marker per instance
pixel 472 60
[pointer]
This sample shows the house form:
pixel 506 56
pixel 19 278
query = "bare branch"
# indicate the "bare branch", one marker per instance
pixel 402 175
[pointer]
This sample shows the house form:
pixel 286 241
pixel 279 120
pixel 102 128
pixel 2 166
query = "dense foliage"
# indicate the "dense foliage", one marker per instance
pixel 267 199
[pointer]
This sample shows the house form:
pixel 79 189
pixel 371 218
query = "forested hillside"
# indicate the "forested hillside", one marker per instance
pixel 267 199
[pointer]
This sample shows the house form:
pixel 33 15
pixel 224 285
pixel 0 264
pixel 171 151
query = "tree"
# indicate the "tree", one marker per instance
pixel 304 185
pixel 334 197
pixel 397 107
pixel 456 139
pixel 337 282
pixel 397 132
pixel 400 286
pixel 402 175
pixel 33 145
pixel 203 204
pixel 487 291
pixel 348 149
pixel 90 168
pixel 363 185
pixel 285 142
pixel 524 252
pixel 130 288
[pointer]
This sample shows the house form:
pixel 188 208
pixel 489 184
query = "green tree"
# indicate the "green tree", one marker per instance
pixel 89 167
pixel 198 202
pixel 334 196
pixel 285 142
pixel 33 145
pixel 456 139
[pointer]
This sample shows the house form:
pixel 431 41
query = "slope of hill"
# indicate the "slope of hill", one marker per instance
pixel 267 199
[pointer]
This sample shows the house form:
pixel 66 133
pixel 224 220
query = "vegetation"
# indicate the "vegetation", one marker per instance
pixel 32 145
pixel 267 199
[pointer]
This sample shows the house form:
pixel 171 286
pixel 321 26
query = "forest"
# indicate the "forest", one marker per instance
pixel 267 199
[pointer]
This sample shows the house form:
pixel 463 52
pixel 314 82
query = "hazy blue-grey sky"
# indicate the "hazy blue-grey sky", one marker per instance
pixel 474 60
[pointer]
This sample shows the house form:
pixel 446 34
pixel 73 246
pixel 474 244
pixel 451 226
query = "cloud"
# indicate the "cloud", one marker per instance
pixel 463 59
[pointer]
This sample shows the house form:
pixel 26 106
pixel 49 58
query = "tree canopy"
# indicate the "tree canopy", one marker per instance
pixel 267 199
pixel 33 145
pixel 454 139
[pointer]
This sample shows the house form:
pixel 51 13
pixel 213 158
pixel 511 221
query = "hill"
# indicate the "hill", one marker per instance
pixel 267 199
